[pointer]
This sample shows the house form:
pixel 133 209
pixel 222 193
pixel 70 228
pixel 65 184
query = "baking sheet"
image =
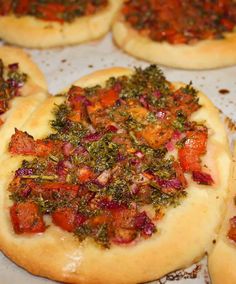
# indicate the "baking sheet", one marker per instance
pixel 63 66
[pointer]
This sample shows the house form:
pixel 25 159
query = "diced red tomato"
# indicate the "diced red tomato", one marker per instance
pixel 54 190
pixel 22 6
pixel 60 186
pixel 85 174
pixel 5 7
pixel 194 147
pixel 51 11
pixel 74 96
pixel 75 116
pixel 64 218
pixel 155 136
pixel 229 25
pixel 43 148
pixel 26 218
pixel 22 143
pixel 108 98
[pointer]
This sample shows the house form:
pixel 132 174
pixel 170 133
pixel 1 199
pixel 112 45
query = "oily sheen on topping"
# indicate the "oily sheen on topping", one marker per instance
pixel 184 34
pixel 122 165
pixel 44 24
pixel 19 78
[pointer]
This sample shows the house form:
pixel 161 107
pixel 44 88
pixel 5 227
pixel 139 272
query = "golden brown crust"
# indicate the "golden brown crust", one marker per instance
pixel 184 235
pixel 16 55
pixel 33 32
pixel 222 259
pixel 205 54
pixel 21 108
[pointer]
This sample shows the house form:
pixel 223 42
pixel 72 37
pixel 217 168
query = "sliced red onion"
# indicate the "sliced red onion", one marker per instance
pixel 68 164
pixel 24 172
pixel 26 192
pixel 135 161
pixel 120 157
pixel 117 87
pixel 161 114
pixel 104 177
pixel 144 223
pixel 93 137
pixel 80 150
pixel 149 229
pixel 202 178
pixel 79 219
pixel 170 146
pixel 67 149
pixel 176 135
pixel 143 101
pixel 109 204
pixel 134 189
pixel 61 169
pixel 139 154
pixel 171 183
pixel 157 94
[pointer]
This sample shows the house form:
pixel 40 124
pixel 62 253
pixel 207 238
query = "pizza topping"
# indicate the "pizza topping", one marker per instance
pixel 23 143
pixel 110 174
pixel 232 230
pixel 52 10
pixel 11 81
pixel 26 218
pixel 202 178
pixel 181 22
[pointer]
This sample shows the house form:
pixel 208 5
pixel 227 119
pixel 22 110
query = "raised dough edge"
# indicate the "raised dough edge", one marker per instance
pixel 17 55
pixel 36 33
pixel 206 54
pixel 33 93
pixel 222 260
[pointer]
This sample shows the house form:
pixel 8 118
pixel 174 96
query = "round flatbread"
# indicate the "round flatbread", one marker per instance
pixel 222 259
pixel 25 89
pixel 145 240
pixel 53 31
pixel 174 34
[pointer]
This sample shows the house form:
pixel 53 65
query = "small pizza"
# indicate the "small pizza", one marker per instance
pixel 120 180
pixel 43 24
pixel 222 259
pixel 19 78
pixel 184 34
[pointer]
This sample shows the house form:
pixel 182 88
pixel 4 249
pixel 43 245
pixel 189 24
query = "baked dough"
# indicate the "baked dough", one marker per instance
pixel 205 54
pixel 35 33
pixel 32 94
pixel 222 259
pixel 185 233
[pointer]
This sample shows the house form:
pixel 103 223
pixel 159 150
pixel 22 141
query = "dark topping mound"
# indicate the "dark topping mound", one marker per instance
pixel 116 160
pixel 53 10
pixel 182 21
pixel 11 81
